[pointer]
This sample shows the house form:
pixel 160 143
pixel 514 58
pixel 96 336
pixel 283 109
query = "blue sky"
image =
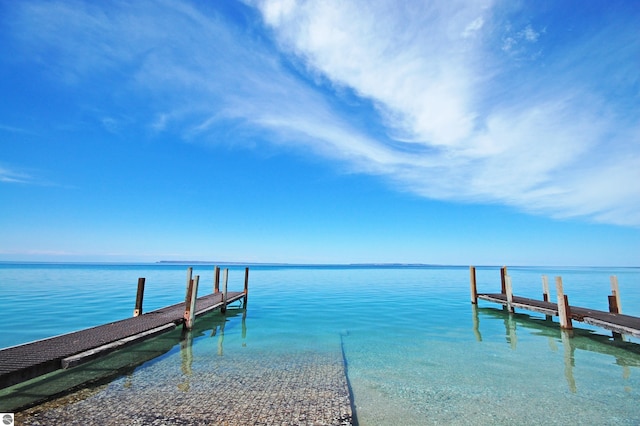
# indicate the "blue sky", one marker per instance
pixel 453 132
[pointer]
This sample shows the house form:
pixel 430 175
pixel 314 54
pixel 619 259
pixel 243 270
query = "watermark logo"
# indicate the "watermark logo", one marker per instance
pixel 7 419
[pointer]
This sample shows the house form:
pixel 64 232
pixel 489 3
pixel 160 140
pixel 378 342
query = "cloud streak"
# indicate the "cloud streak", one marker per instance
pixel 550 150
pixel 8 175
pixel 450 112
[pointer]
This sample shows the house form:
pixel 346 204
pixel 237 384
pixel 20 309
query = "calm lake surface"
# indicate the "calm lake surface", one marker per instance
pixel 416 350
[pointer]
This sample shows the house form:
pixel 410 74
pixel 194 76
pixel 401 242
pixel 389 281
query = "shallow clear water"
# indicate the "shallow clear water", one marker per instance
pixel 417 352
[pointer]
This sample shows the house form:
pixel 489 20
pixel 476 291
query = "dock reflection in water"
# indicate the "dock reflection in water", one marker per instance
pixel 625 354
pixel 216 324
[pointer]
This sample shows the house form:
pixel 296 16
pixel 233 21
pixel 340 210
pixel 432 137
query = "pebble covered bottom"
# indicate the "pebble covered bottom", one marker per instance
pixel 305 388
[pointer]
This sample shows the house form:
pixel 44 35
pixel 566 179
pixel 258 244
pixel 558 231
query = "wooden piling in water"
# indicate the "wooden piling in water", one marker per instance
pixel 190 303
pixel 187 300
pixel 545 288
pixel 216 280
pixel 615 292
pixel 225 277
pixel 545 293
pixel 614 302
pixel 189 279
pixel 509 292
pixel 246 287
pixel 564 314
pixel 503 274
pixel 137 310
pixel 474 288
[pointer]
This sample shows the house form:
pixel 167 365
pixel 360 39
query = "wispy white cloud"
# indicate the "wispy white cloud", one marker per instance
pixel 8 175
pixel 459 121
pixel 13 129
pixel 473 27
pixel 539 153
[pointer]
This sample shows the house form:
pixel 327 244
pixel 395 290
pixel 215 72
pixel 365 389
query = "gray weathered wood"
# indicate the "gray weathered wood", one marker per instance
pixel 216 280
pixel 545 288
pixel 503 274
pixel 189 279
pixel 615 291
pixel 509 292
pixel 563 306
pixel 190 313
pixel 225 277
pixel 545 292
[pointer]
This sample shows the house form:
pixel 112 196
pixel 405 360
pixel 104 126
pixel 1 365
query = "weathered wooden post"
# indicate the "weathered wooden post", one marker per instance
pixel 474 289
pixel 545 288
pixel 216 280
pixel 137 310
pixel 564 314
pixel 503 274
pixel 190 303
pixel 225 277
pixel 615 296
pixel 545 293
pixel 187 302
pixel 509 291
pixel 613 305
pixel 246 287
pixel 189 279
pixel 614 302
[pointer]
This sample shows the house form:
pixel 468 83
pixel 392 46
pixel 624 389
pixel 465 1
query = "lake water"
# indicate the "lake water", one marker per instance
pixel 417 351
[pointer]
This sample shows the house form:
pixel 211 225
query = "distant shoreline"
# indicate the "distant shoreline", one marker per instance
pixel 206 262
pixel 302 265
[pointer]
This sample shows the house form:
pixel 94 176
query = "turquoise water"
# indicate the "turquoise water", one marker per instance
pixel 417 352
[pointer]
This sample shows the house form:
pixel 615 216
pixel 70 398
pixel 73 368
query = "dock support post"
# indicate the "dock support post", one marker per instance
pixel 190 303
pixel 545 288
pixel 509 291
pixel 613 308
pixel 615 292
pixel 564 314
pixel 137 310
pixel 614 303
pixel 216 280
pixel 246 287
pixel 189 279
pixel 225 277
pixel 474 289
pixel 503 274
pixel 545 293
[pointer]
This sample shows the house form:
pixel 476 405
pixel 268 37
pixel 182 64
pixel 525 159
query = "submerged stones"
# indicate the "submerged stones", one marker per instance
pixel 247 388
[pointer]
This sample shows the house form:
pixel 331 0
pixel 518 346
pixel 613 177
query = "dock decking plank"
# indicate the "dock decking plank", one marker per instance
pixel 30 360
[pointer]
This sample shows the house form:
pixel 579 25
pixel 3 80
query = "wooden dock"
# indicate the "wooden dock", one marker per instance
pixel 612 320
pixel 30 360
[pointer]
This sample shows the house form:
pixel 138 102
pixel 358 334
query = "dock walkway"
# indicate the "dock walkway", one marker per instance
pixel 617 323
pixel 613 320
pixel 24 362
